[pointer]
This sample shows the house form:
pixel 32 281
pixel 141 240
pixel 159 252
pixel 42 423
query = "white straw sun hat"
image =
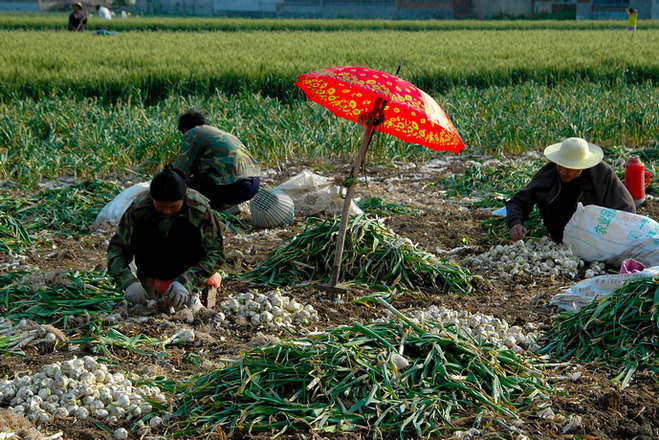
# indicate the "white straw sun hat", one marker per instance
pixel 574 153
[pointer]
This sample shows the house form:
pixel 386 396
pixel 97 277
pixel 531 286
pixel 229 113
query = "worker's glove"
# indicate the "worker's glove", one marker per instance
pixel 177 295
pixel 135 293
pixel 518 232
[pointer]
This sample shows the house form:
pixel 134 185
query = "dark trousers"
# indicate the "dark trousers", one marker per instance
pixel 224 196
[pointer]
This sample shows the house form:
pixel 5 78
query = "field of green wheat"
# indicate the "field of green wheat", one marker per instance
pixel 79 104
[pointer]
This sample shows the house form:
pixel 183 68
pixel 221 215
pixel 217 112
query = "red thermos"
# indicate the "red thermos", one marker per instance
pixel 636 179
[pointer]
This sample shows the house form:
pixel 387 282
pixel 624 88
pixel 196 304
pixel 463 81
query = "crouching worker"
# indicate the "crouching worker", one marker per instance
pixel 175 240
pixel 219 165
pixel 575 173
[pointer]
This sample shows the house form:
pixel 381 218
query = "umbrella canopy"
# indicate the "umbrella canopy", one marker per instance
pixel 381 102
pixel 409 114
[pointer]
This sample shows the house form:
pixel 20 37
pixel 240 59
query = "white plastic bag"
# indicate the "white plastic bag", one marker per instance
pixel 312 194
pixel 112 212
pixel 584 292
pixel 596 233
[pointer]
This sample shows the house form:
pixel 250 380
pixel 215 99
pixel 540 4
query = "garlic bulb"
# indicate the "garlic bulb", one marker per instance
pixel 28 334
pixel 269 310
pixel 479 326
pixel 539 258
pixel 79 388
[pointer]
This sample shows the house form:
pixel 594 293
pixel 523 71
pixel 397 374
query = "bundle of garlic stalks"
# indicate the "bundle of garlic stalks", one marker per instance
pixel 16 337
pixel 55 297
pixel 13 235
pixel 377 206
pixel 620 328
pixel 533 258
pixel 37 309
pixel 373 254
pixel 398 378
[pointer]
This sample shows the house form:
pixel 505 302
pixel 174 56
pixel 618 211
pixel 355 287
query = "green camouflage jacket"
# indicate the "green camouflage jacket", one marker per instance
pixel 195 215
pixel 208 151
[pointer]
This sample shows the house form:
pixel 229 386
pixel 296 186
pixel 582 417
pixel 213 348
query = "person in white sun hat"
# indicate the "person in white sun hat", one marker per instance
pixel 576 173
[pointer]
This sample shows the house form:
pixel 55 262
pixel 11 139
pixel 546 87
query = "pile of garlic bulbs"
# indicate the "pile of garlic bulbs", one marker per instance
pixel 269 310
pixel 542 257
pixel 28 334
pixel 81 389
pixel 483 328
pixel 596 268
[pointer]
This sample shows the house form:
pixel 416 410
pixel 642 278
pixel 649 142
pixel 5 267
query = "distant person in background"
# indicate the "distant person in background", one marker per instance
pixel 103 12
pixel 77 18
pixel 632 16
pixel 100 31
pixel 219 165
pixel 576 173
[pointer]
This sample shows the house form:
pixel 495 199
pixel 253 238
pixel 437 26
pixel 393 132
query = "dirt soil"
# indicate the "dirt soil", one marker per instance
pixel 605 412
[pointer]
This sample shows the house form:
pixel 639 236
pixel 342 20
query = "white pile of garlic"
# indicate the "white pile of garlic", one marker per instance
pixel 483 328
pixel 541 257
pixel 27 334
pixel 596 268
pixel 81 389
pixel 270 310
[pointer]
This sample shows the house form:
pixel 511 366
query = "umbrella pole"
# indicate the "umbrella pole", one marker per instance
pixel 340 239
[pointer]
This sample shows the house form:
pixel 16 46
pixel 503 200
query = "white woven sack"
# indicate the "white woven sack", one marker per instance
pixel 310 192
pixel 113 210
pixel 584 292
pixel 271 208
pixel 313 194
pixel 596 233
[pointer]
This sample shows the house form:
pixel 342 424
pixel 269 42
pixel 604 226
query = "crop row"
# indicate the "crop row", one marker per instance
pixel 57 21
pixel 155 65
pixel 82 137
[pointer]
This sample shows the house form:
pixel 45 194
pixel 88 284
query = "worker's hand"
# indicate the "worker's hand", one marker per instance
pixel 177 295
pixel 135 293
pixel 215 280
pixel 518 232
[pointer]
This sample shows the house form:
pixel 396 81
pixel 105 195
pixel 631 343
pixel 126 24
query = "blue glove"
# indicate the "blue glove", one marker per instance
pixel 177 295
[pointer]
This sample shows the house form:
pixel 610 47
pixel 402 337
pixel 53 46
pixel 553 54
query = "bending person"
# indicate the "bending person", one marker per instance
pixel 176 242
pixel 576 174
pixel 219 165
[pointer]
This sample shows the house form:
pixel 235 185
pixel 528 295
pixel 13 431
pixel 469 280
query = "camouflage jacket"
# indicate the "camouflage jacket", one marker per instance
pixel 198 258
pixel 208 151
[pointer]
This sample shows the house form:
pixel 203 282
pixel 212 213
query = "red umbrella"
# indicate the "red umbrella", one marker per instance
pixel 409 113
pixel 383 102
